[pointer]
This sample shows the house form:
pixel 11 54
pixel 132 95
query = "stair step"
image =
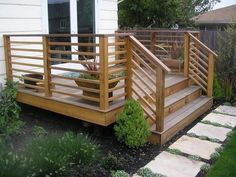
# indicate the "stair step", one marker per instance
pixel 178 120
pixel 175 83
pixel 181 98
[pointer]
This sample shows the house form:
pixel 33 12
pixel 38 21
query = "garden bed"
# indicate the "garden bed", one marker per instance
pixel 129 159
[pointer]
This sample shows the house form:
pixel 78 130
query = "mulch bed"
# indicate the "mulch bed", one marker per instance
pixel 132 159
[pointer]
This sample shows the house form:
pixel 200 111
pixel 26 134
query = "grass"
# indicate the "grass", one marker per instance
pixel 225 165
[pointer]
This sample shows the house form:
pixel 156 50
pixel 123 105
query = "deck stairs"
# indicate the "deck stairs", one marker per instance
pixel 184 102
pixel 184 99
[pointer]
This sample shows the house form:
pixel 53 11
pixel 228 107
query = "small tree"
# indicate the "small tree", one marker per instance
pixel 131 127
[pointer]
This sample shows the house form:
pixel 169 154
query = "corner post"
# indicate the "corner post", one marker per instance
pixel 103 76
pixel 160 99
pixel 186 54
pixel 128 80
pixel 7 52
pixel 210 76
pixel 153 42
pixel 47 69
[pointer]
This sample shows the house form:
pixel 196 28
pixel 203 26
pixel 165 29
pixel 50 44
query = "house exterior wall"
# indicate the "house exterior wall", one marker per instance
pixel 108 16
pixel 30 16
pixel 18 16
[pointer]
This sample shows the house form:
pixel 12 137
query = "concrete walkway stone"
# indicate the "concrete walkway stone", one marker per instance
pixel 210 131
pixel 195 146
pixel 221 119
pixel 226 110
pixel 174 165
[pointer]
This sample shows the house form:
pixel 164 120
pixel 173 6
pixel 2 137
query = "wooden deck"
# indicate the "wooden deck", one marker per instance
pixel 124 69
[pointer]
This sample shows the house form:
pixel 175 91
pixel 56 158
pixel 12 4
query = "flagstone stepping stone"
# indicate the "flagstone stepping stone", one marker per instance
pixel 226 110
pixel 195 146
pixel 174 165
pixel 210 131
pixel 221 119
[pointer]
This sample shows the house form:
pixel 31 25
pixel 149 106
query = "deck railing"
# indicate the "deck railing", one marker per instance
pixel 55 60
pixel 163 43
pixel 147 84
pixel 199 63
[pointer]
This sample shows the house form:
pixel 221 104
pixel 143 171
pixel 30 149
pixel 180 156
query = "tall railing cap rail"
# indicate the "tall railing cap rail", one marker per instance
pixel 159 30
pixel 69 35
pixel 152 57
pixel 202 44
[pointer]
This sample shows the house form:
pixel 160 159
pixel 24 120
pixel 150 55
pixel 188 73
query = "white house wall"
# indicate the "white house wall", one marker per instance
pixel 18 16
pixel 108 16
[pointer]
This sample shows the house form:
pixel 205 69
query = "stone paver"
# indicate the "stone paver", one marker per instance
pixel 226 110
pixel 195 146
pixel 210 131
pixel 221 119
pixel 174 165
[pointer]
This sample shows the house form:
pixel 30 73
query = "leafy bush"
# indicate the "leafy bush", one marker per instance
pixel 53 155
pixel 131 127
pixel 120 174
pixel 111 162
pixel 9 111
pixel 146 172
pixel 226 62
pixel 11 164
pixel 39 131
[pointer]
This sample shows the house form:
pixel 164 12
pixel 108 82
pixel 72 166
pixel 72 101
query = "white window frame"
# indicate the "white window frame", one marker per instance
pixel 73 16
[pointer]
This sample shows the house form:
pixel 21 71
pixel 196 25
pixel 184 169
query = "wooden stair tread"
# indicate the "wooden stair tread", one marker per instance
pixel 173 79
pixel 174 118
pixel 170 80
pixel 180 95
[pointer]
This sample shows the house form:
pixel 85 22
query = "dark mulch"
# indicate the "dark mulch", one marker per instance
pixel 132 159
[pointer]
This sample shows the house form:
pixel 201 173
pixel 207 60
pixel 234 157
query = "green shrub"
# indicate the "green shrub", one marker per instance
pixel 146 172
pixel 111 163
pixel 11 164
pixel 39 131
pixel 53 155
pixel 82 149
pixel 120 174
pixel 9 111
pixel 131 127
pixel 217 90
pixel 226 62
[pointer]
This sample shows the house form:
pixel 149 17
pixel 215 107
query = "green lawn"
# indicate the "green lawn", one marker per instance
pixel 225 166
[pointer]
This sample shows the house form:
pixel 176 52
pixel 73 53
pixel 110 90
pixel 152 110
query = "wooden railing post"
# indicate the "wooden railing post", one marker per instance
pixel 153 42
pixel 186 54
pixel 47 69
pixel 128 81
pixel 103 77
pixel 7 51
pixel 160 99
pixel 210 76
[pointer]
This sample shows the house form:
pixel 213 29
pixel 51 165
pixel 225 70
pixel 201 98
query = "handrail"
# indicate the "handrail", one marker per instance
pixel 150 55
pixel 202 44
pixel 145 68
pixel 199 63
